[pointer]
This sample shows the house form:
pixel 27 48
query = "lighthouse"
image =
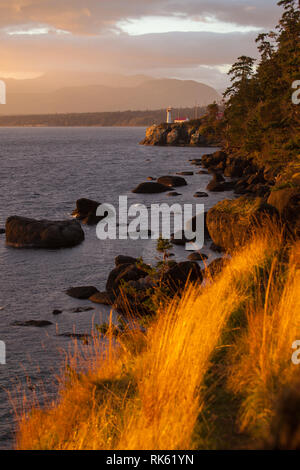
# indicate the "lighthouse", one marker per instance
pixel 169 115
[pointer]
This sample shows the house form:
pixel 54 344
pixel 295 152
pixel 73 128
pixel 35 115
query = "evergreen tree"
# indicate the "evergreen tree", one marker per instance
pixel 260 119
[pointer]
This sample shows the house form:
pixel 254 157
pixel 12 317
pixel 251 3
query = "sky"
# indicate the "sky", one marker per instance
pixel 185 39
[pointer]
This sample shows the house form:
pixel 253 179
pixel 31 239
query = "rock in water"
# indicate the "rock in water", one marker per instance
pixel 36 323
pixel 213 159
pixel 179 238
pixel 22 232
pixel 86 211
pixel 81 309
pixel 196 256
pixel 56 311
pixel 101 298
pixel 123 259
pixel 122 273
pixel 172 181
pixel 82 292
pixel 150 188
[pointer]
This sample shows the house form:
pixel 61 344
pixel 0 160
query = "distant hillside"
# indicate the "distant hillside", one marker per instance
pixel 125 118
pixel 109 94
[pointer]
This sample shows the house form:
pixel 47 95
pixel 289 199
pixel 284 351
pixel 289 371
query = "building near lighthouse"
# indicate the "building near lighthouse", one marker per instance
pixel 180 120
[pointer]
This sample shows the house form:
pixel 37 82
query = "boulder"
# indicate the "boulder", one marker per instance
pixel 35 323
pixel 258 177
pixel 81 292
pixel 216 248
pixel 123 259
pixel 81 309
pixel 216 186
pixel 231 222
pixel 56 311
pixel 86 211
pixel 215 267
pixel 216 183
pixel 217 176
pixel 213 159
pixel 179 238
pixel 270 174
pixel 196 161
pixel 172 181
pixel 220 166
pixel 180 273
pixel 241 185
pixel 287 203
pixel 101 298
pixel 261 190
pixel 133 303
pixel 193 224
pixel 150 188
pixel 200 194
pixel 120 274
pixel 185 173
pixel 81 336
pixel 24 232
pixel 295 180
pixel 234 167
pixel 196 256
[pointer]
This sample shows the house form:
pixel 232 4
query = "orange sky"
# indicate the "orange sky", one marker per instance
pixel 195 39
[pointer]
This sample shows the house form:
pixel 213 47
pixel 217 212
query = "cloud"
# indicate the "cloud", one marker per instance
pixel 170 54
pixel 95 41
pixel 123 51
pixel 94 16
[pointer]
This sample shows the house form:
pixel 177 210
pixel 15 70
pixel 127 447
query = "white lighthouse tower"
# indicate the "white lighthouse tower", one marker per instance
pixel 169 115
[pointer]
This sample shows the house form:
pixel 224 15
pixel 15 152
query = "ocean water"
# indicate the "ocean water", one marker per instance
pixel 43 172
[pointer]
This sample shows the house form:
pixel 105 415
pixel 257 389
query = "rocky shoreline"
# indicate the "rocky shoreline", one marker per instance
pixel 178 134
pixel 228 225
pixel 260 193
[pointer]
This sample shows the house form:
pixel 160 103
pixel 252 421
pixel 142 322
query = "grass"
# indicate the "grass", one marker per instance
pixel 206 374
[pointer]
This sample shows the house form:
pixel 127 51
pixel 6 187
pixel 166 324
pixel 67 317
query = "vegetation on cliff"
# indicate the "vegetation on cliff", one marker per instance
pixel 260 119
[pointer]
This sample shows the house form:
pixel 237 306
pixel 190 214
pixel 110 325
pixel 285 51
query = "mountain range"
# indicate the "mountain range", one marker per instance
pixel 88 92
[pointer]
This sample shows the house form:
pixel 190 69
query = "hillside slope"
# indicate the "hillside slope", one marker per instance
pixel 147 94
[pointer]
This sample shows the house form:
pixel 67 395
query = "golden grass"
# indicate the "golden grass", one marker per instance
pixel 145 391
pixel 260 362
